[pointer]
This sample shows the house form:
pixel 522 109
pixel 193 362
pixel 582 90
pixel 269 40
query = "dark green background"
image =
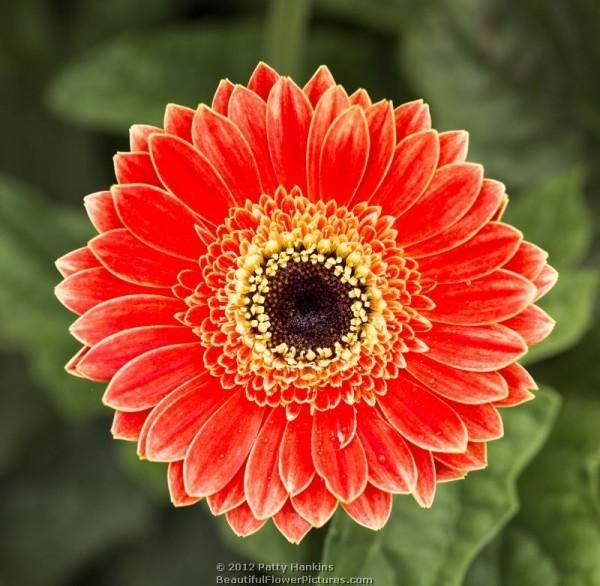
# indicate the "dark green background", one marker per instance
pixel 520 75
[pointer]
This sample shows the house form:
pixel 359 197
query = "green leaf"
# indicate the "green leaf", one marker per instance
pixel 555 216
pixel 555 538
pixel 559 493
pixel 63 507
pixel 285 36
pixel 514 558
pixel 32 234
pixel 133 78
pixel 483 570
pixel 349 546
pixel 472 63
pixel 434 547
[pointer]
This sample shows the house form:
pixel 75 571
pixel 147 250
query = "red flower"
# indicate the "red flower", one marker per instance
pixel 300 299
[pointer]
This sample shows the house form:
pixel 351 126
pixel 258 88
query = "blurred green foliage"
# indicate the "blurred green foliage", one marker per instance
pixel 520 75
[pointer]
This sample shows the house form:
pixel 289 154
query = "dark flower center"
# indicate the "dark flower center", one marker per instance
pixel 308 307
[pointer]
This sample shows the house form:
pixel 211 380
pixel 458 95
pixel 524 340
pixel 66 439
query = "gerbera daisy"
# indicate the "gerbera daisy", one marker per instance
pixel 301 299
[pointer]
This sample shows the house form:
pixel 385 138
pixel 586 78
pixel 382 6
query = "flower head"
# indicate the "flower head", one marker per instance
pixel 300 299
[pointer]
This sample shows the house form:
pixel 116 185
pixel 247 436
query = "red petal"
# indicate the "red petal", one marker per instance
pixel 391 465
pixel 518 381
pixel 412 168
pixel 263 78
pixel 179 497
pixel 135 168
pixel 450 194
pixel 230 496
pixel 75 261
pixel 178 121
pixel 315 503
pixel 483 422
pixel 454 145
pixel 288 120
pixel 159 220
pixel 157 410
pixel 124 313
pixel 144 381
pixel 528 261
pixel 71 366
pixel 371 509
pixel 333 102
pixel 222 445
pixel 410 118
pixel 191 177
pixel 481 212
pixel 101 209
pixel 426 479
pixel 533 324
pixel 344 156
pixel 139 135
pixel 318 84
pixel 476 348
pixel 361 98
pixel 264 490
pixel 444 473
pixel 223 144
pixel 131 260
pixel 221 98
pixel 487 251
pixel 342 423
pixel 296 466
pixel 103 361
pixel 382 144
pixel 343 469
pixel 249 112
pixel 73 363
pixel 421 417
pixel 292 526
pixel 243 522
pixel 473 458
pixel 455 384
pixel 127 425
pixel 545 281
pixel 486 300
pixel 85 289
pixel 179 417
pixel 501 209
